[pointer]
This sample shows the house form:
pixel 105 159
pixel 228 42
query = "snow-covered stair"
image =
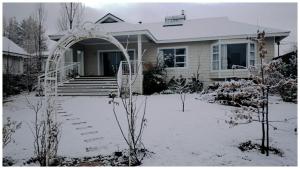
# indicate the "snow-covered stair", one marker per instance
pixel 89 86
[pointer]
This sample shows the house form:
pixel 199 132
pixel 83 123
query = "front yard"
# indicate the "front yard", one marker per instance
pixel 197 137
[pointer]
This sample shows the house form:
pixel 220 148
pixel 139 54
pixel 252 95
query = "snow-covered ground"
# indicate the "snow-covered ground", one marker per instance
pixel 197 137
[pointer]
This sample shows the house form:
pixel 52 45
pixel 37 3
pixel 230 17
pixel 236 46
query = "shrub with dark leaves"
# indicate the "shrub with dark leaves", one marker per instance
pixel 154 80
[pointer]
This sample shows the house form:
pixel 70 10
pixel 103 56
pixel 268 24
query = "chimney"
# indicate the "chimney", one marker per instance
pixel 183 14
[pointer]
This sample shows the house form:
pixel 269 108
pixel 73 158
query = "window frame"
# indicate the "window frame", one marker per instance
pixel 174 48
pixel 225 42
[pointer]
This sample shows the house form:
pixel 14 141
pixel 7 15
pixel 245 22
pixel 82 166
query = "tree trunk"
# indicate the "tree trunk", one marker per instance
pixel 267 121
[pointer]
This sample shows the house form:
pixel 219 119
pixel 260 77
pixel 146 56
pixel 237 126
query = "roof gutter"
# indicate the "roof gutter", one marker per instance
pixel 151 36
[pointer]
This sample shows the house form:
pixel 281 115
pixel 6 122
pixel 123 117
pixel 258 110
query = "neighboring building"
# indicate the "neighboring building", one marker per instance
pixel 13 57
pixel 212 44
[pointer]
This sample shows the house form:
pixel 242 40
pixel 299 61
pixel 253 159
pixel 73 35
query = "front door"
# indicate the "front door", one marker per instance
pixel 111 62
pixel 80 59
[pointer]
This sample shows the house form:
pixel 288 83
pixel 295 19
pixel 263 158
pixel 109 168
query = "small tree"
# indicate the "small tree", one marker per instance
pixel 180 86
pixel 45 132
pixel 136 122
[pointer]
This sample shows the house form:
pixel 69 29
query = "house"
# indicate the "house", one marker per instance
pixel 13 58
pixel 209 46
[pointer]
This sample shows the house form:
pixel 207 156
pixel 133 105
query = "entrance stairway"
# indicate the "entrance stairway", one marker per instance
pixel 88 86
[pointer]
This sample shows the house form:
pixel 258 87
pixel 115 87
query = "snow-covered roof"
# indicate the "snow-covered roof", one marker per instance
pixel 190 30
pixel 109 18
pixel 9 47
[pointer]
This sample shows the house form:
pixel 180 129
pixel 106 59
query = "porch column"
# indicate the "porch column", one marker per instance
pixel 140 66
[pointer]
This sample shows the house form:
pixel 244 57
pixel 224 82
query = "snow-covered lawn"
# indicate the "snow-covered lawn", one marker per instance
pixel 199 136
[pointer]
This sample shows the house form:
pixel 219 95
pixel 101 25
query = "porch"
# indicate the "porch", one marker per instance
pixel 100 58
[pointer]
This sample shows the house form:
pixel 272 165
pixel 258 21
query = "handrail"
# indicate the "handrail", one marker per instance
pixel 119 78
pixel 59 71
pixel 124 70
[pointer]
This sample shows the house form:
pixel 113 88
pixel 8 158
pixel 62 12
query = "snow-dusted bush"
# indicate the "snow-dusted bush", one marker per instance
pixel 154 80
pixel 281 76
pixel 288 90
pixel 235 93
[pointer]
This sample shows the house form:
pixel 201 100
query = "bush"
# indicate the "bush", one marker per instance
pixel 189 85
pixel 154 80
pixel 236 93
pixel 288 90
pixel 15 84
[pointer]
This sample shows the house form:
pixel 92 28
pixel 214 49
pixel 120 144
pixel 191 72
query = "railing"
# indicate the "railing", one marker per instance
pixel 119 78
pixel 124 70
pixel 63 74
pixel 134 67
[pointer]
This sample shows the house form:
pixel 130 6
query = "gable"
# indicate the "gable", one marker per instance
pixel 109 18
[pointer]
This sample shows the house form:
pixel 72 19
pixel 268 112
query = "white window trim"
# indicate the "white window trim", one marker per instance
pixel 212 56
pixel 113 50
pixel 177 47
pixel 249 53
pixel 221 42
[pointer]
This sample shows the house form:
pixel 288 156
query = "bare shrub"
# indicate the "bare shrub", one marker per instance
pixel 45 132
pixel 8 129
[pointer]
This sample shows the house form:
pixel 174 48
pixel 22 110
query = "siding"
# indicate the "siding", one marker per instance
pixel 198 54
pixel 12 64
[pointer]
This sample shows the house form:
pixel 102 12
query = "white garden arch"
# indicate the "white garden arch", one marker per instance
pixel 87 31
pixel 53 66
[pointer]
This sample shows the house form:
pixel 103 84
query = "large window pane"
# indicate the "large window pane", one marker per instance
pixel 236 55
pixel 180 58
pixel 215 49
pixel 180 64
pixel 215 65
pixel 168 57
pixel 180 51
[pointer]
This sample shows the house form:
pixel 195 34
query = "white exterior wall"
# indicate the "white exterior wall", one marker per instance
pixel 199 53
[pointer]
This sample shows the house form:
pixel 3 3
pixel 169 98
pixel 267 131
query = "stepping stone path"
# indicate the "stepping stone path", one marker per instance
pixel 85 131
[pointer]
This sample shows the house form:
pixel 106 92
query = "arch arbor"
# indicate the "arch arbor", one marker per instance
pixel 53 70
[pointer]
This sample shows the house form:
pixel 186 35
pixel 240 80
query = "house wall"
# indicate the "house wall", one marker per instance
pixel 199 54
pixel 91 56
pixel 13 65
pixel 199 59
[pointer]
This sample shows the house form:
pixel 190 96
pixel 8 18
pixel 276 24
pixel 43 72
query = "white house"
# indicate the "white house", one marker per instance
pixel 13 58
pixel 210 46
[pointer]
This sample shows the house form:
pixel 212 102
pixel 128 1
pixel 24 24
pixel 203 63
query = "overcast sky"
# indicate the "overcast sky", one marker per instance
pixel 274 15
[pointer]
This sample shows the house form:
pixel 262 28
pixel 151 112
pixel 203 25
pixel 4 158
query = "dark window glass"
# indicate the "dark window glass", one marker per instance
pixel 236 55
pixel 168 57
pixel 180 51
pixel 180 65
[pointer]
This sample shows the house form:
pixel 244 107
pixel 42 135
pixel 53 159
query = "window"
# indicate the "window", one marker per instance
pixel 236 55
pixel 215 61
pixel 224 56
pixel 252 54
pixel 174 57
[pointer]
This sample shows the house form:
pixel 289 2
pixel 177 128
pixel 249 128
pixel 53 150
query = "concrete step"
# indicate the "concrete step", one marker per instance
pixel 88 87
pixel 92 82
pixel 95 77
pixel 88 84
pixel 105 79
pixel 86 90
pixel 83 94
